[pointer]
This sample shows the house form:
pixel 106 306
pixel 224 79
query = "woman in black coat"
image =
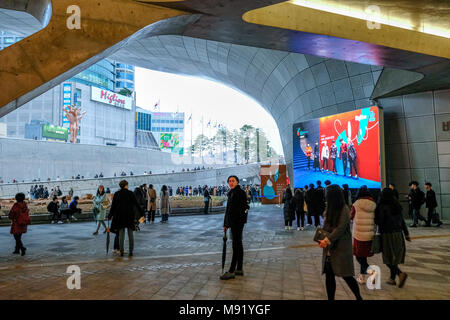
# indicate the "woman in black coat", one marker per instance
pixel 392 227
pixel 299 201
pixel 289 208
pixel 122 213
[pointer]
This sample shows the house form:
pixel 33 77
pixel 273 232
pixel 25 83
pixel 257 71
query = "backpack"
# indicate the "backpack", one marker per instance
pixel 24 218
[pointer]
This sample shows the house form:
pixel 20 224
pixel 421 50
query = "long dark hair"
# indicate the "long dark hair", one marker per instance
pixel 387 198
pixel 164 189
pixel 335 204
pixel 363 192
pixel 288 193
pixel 298 194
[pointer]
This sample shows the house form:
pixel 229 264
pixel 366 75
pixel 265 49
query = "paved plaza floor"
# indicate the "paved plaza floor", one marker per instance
pixel 182 260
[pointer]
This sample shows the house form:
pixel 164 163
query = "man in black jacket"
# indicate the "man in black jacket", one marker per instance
pixel 431 204
pixel 235 219
pixel 122 213
pixel 52 207
pixel 206 199
pixel 417 198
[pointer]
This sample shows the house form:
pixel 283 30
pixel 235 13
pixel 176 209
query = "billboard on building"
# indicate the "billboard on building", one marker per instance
pixel 170 142
pixel 67 102
pixel 55 132
pixel 111 98
pixel 273 183
pixel 344 148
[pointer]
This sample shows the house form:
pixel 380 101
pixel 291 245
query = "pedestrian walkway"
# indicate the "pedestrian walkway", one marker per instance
pixel 182 260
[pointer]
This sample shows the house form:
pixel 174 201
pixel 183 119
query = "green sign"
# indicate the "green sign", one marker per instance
pixel 55 132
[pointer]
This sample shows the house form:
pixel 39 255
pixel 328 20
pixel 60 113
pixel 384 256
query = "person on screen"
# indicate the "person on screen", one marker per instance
pixel 333 155
pixel 344 155
pixel 352 158
pixel 316 156
pixel 308 154
pixel 324 157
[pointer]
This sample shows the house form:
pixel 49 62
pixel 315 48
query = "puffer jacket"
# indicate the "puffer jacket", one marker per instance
pixel 364 220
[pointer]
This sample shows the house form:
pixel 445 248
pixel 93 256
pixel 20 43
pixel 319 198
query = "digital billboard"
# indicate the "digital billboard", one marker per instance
pixel 344 148
pixel 171 142
pixel 55 132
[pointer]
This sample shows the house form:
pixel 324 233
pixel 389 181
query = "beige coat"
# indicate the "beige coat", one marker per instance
pixel 164 203
pixel 364 221
pixel 151 194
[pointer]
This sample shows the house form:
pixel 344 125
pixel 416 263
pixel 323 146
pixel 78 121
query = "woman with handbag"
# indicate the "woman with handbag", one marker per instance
pixel 151 203
pixel 392 227
pixel 164 204
pixel 337 259
pixel 20 217
pixel 100 202
pixel 363 216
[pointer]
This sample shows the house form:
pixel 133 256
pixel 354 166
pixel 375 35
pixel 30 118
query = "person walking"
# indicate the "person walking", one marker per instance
pixel 100 203
pixel 337 258
pixel 122 214
pixel 333 155
pixel 288 209
pixel 417 198
pixel 431 205
pixel 309 199
pixel 319 203
pixel 235 219
pixel 151 203
pixel 393 231
pixel 299 201
pixel 363 216
pixel 308 154
pixel 324 156
pixel 392 186
pixel 53 208
pixel 164 204
pixel 206 199
pixel 344 155
pixel 20 219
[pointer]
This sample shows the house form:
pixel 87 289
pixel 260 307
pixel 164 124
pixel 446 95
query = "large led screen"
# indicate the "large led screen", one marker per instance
pixel 343 148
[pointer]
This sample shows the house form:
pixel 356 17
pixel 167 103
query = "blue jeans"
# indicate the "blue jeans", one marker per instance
pixel 417 216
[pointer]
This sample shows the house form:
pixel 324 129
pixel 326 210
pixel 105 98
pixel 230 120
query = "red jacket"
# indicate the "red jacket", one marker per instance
pixel 344 148
pixel 308 151
pixel 16 210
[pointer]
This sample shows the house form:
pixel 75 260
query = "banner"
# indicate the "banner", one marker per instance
pixel 273 183
pixel 55 132
pixel 170 142
pixel 111 98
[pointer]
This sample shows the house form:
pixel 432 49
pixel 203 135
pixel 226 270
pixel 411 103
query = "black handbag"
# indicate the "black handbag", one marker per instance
pixel 376 242
pixel 435 217
pixel 320 235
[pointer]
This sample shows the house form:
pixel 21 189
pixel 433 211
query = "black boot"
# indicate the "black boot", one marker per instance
pixel 23 249
pixel 16 251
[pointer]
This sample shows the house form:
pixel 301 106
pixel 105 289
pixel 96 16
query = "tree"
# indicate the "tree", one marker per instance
pixel 126 92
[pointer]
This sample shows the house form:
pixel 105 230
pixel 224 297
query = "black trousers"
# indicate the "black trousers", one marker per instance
pixel 288 223
pixel 314 213
pixel 395 271
pixel 151 215
pixel 67 212
pixel 19 244
pixel 309 215
pixel 325 162
pixel 334 164
pixel 238 248
pixel 431 212
pixel 330 282
pixel 363 263
pixel 344 162
pixel 309 162
pixel 206 207
pixel 116 242
pixel 353 165
pixel 56 216
pixel 300 216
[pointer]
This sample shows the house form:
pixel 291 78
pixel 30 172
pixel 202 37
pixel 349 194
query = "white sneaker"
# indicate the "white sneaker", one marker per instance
pixel 298 228
pixel 302 228
pixel 356 176
pixel 290 228
pixel 285 228
pixel 59 222
pixel 53 222
pixel 75 219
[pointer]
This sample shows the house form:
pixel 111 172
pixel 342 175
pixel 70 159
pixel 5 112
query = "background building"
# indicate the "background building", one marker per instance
pixel 144 137
pixel 124 76
pixel 7 39
pixel 168 130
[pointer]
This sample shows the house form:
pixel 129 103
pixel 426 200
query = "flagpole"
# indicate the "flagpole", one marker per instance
pixel 191 136
pixel 201 148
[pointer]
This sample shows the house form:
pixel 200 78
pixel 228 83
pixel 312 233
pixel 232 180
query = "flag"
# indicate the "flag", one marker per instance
pixel 156 104
pixel 209 123
pixel 215 125
pixel 190 117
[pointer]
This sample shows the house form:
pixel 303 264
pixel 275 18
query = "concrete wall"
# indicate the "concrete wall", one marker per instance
pixel 203 177
pixel 417 147
pixel 24 159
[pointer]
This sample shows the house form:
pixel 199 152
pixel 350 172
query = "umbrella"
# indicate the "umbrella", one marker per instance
pixel 108 231
pixel 224 250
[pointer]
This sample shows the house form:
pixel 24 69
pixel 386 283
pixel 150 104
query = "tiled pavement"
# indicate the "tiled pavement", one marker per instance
pixel 181 260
